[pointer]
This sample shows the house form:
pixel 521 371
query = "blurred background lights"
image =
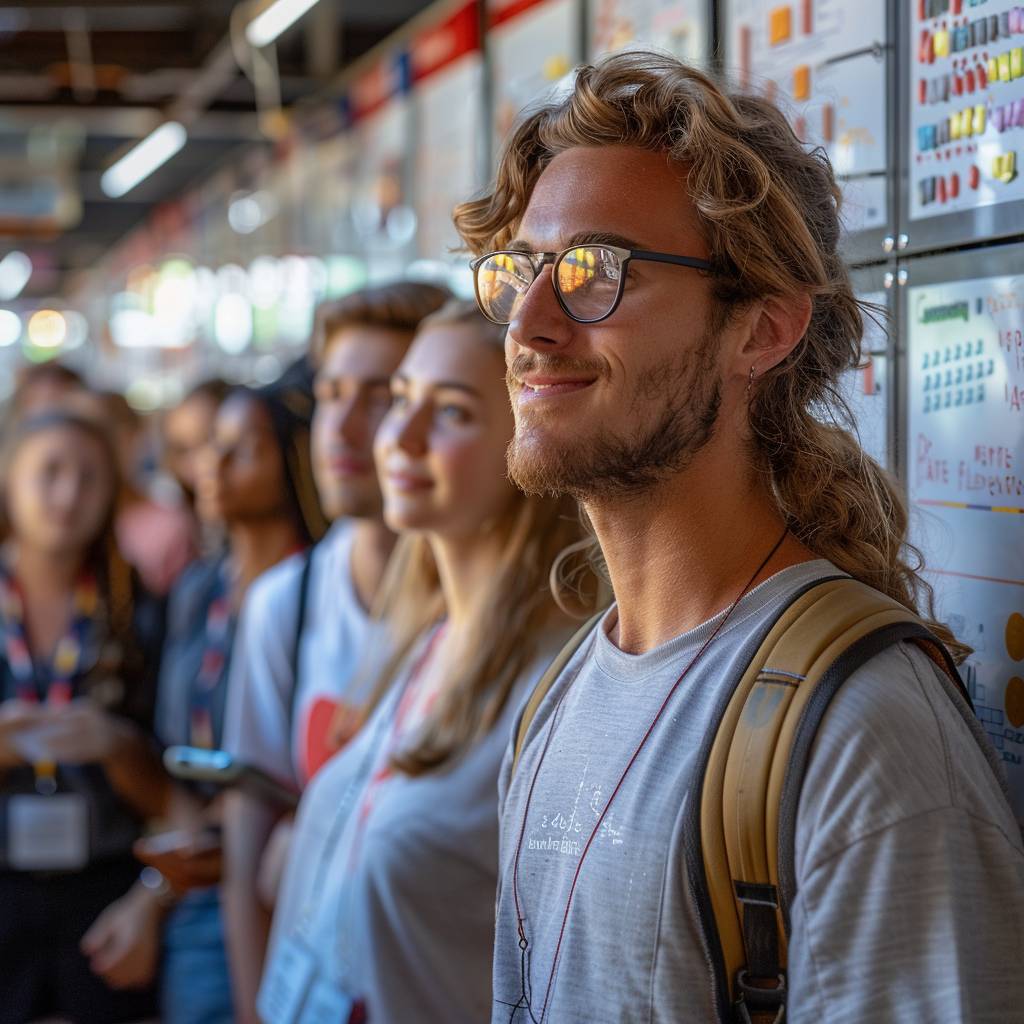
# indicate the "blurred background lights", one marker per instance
pixel 232 323
pixel 10 327
pixel 15 273
pixel 400 225
pixel 77 329
pixel 249 211
pixel 175 300
pixel 265 282
pixel 131 328
pixel 266 369
pixel 47 329
pixel 232 278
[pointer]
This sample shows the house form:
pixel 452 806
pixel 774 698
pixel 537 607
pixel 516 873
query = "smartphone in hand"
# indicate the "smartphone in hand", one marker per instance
pixel 221 769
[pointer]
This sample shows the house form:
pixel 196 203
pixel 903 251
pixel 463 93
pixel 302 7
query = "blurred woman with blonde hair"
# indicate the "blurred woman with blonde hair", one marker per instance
pixel 393 868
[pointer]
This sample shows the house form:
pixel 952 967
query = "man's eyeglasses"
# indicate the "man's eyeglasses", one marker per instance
pixel 588 279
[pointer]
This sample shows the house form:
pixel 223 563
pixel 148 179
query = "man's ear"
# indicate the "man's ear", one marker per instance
pixel 778 325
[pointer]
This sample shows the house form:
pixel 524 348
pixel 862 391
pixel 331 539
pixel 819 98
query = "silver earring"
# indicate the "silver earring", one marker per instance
pixel 750 381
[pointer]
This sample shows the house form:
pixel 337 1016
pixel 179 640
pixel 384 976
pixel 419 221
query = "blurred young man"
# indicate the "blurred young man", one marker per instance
pixel 306 624
pixel 665 255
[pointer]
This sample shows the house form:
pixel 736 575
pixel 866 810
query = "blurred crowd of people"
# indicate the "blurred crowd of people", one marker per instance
pixel 339 547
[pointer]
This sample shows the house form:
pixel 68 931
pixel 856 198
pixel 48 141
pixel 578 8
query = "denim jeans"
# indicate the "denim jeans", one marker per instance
pixel 196 982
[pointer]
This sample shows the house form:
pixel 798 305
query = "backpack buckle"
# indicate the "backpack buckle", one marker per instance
pixel 757 1005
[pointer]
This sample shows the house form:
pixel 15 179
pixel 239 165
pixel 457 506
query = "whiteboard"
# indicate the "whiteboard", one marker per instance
pixel 531 55
pixel 823 61
pixel 449 130
pixel 678 26
pixel 965 478
pixel 966 106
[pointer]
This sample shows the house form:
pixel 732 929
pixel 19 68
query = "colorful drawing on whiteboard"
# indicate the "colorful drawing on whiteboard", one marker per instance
pixel 534 45
pixel 824 61
pixel 679 26
pixel 966 105
pixel 965 468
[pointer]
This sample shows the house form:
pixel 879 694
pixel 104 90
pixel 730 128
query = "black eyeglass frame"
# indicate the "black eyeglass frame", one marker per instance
pixel 539 260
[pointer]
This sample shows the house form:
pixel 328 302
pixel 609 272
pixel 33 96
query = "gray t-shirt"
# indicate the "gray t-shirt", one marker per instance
pixel 391 880
pixel 910 867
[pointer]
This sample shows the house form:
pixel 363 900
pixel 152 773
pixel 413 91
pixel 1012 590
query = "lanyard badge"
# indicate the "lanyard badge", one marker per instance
pixel 67 661
pixel 219 632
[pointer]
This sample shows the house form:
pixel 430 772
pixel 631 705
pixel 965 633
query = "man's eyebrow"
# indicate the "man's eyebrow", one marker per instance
pixel 583 238
pixel 602 238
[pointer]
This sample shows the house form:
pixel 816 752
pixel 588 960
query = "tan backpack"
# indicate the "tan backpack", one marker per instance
pixel 739 845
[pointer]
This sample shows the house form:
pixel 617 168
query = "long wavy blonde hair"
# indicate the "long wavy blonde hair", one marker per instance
pixel 770 213
pixel 537 584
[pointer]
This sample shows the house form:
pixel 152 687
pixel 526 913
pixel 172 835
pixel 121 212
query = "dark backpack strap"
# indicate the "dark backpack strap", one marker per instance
pixel 300 622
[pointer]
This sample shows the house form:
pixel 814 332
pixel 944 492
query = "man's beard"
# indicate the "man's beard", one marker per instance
pixel 676 404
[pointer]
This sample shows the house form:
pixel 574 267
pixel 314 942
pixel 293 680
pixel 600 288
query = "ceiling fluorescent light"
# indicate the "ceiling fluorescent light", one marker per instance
pixel 142 160
pixel 280 15
pixel 15 273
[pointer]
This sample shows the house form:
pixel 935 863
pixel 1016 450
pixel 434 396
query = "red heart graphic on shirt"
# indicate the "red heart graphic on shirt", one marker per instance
pixel 327 719
pixel 316 751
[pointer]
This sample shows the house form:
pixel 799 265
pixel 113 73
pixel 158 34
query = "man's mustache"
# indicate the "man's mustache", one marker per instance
pixel 559 365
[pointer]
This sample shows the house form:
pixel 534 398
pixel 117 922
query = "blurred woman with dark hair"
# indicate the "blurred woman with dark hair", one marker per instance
pixel 78 772
pixel 255 477
pixel 186 430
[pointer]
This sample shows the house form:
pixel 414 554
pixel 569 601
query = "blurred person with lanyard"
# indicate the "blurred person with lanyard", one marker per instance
pixel 255 477
pixel 386 910
pixel 79 770
pixel 186 430
pixel 306 624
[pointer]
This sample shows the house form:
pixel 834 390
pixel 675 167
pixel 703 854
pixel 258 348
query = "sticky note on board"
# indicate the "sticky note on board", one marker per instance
pixel 828 123
pixel 940 43
pixel 1004 67
pixel 556 67
pixel 979 119
pixel 802 82
pixel 1017 62
pixel 780 25
pixel 1004 168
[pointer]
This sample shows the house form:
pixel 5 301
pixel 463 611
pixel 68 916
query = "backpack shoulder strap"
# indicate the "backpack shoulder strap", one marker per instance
pixel 551 674
pixel 751 785
pixel 300 623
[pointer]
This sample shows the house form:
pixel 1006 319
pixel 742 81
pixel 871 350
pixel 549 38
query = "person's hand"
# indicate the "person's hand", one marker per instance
pixel 16 716
pixel 123 944
pixel 274 861
pixel 187 860
pixel 80 732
